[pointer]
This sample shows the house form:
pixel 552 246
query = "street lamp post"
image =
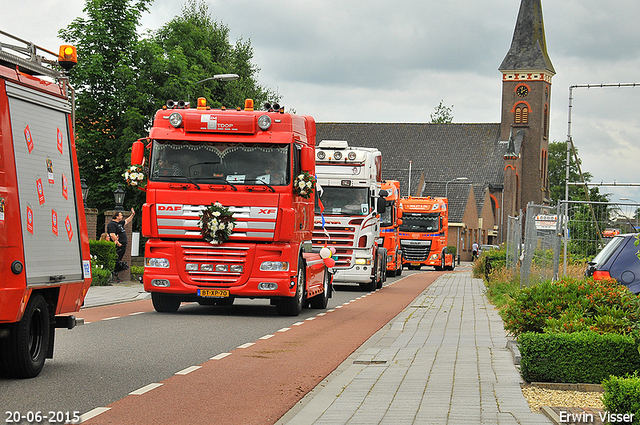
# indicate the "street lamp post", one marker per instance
pixel 85 190
pixel 446 186
pixel 118 194
pixel 635 212
pixel 221 77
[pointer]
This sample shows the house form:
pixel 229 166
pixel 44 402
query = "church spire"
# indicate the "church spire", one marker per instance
pixel 528 50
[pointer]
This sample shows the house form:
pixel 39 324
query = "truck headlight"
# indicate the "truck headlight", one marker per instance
pixel 271 266
pixel 162 263
pixel 363 261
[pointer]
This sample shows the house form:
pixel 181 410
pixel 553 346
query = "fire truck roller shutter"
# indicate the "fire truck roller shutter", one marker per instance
pixel 46 254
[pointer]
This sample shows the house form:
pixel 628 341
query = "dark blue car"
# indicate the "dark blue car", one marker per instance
pixel 618 260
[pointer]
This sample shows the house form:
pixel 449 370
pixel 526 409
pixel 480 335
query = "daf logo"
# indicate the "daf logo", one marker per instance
pixel 165 208
pixel 267 211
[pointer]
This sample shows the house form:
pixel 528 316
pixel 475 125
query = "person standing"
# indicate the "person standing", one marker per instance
pixel 474 251
pixel 118 234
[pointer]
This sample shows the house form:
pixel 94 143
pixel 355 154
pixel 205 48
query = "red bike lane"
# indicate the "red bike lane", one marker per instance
pixel 258 384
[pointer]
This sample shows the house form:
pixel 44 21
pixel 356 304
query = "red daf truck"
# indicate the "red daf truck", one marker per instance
pixel 424 232
pixel 390 221
pixel 44 247
pixel 229 208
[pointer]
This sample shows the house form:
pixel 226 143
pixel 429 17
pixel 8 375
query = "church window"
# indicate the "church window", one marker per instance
pixel 521 114
pixel 545 130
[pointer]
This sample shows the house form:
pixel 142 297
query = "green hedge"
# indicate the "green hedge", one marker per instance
pixel 103 253
pixel 103 261
pixel 580 357
pixel 622 396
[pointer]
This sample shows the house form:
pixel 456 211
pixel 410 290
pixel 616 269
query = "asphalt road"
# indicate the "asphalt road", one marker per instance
pixel 126 347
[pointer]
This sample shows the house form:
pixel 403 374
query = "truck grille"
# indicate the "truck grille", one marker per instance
pixel 214 255
pixel 181 221
pixel 342 238
pixel 415 250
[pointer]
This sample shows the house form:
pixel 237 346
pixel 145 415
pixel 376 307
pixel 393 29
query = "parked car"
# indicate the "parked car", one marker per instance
pixel 618 260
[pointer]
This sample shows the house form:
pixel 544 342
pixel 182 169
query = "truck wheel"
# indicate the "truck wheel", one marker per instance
pixel 24 351
pixel 292 306
pixel 321 300
pixel 165 303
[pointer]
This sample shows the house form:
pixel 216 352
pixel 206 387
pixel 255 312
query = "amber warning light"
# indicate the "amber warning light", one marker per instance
pixel 67 57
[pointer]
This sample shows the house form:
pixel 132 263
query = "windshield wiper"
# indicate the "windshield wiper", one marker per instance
pixel 263 182
pixel 221 180
pixel 190 181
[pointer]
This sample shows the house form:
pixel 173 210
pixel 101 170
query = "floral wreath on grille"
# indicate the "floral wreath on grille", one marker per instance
pixel 303 185
pixel 134 176
pixel 216 223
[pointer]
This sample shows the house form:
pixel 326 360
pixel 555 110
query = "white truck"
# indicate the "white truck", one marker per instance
pixel 349 202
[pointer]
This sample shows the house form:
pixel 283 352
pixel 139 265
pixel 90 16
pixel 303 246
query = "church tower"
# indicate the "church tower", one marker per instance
pixel 526 98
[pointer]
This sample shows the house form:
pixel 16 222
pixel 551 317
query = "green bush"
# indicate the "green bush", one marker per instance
pixel 137 270
pixel 100 276
pixel 580 357
pixel 103 254
pixel 488 262
pixel 572 305
pixel 622 396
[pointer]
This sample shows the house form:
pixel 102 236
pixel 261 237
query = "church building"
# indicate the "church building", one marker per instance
pixel 489 171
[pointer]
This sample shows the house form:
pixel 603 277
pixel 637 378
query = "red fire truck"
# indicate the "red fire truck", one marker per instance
pixel 390 221
pixel 423 233
pixel 44 247
pixel 229 208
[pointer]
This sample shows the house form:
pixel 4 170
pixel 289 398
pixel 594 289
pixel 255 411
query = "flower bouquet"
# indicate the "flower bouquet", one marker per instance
pixel 303 185
pixel 134 176
pixel 216 223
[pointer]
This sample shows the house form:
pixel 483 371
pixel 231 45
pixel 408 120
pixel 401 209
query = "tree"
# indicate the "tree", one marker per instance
pixel 105 77
pixel 558 176
pixel 122 79
pixel 442 114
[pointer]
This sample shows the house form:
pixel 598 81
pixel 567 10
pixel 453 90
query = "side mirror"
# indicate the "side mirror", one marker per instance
pixel 382 205
pixel 308 159
pixel 137 153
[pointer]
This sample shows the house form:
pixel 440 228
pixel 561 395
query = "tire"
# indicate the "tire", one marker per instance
pixel 24 351
pixel 163 303
pixel 320 301
pixel 292 306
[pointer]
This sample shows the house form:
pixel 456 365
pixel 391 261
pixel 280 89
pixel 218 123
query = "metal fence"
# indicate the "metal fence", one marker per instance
pixel 543 239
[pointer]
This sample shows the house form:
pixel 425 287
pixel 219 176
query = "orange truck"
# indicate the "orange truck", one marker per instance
pixel 423 233
pixel 229 208
pixel 44 246
pixel 390 222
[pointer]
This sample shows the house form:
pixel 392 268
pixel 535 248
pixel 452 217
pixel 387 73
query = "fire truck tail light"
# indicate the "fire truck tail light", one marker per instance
pixel 175 119
pixel 162 263
pixel 264 122
pixel 270 266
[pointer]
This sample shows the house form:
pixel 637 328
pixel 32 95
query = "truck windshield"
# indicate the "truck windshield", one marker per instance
pixel 344 201
pixel 420 222
pixel 220 163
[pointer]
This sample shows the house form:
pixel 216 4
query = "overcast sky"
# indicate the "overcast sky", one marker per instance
pixel 393 61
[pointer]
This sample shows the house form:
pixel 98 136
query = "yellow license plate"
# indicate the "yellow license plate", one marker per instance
pixel 416 264
pixel 213 293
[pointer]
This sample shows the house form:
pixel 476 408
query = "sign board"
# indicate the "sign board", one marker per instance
pixel 546 222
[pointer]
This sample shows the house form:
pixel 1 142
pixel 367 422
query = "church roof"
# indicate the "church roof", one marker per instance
pixel 439 152
pixel 528 47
